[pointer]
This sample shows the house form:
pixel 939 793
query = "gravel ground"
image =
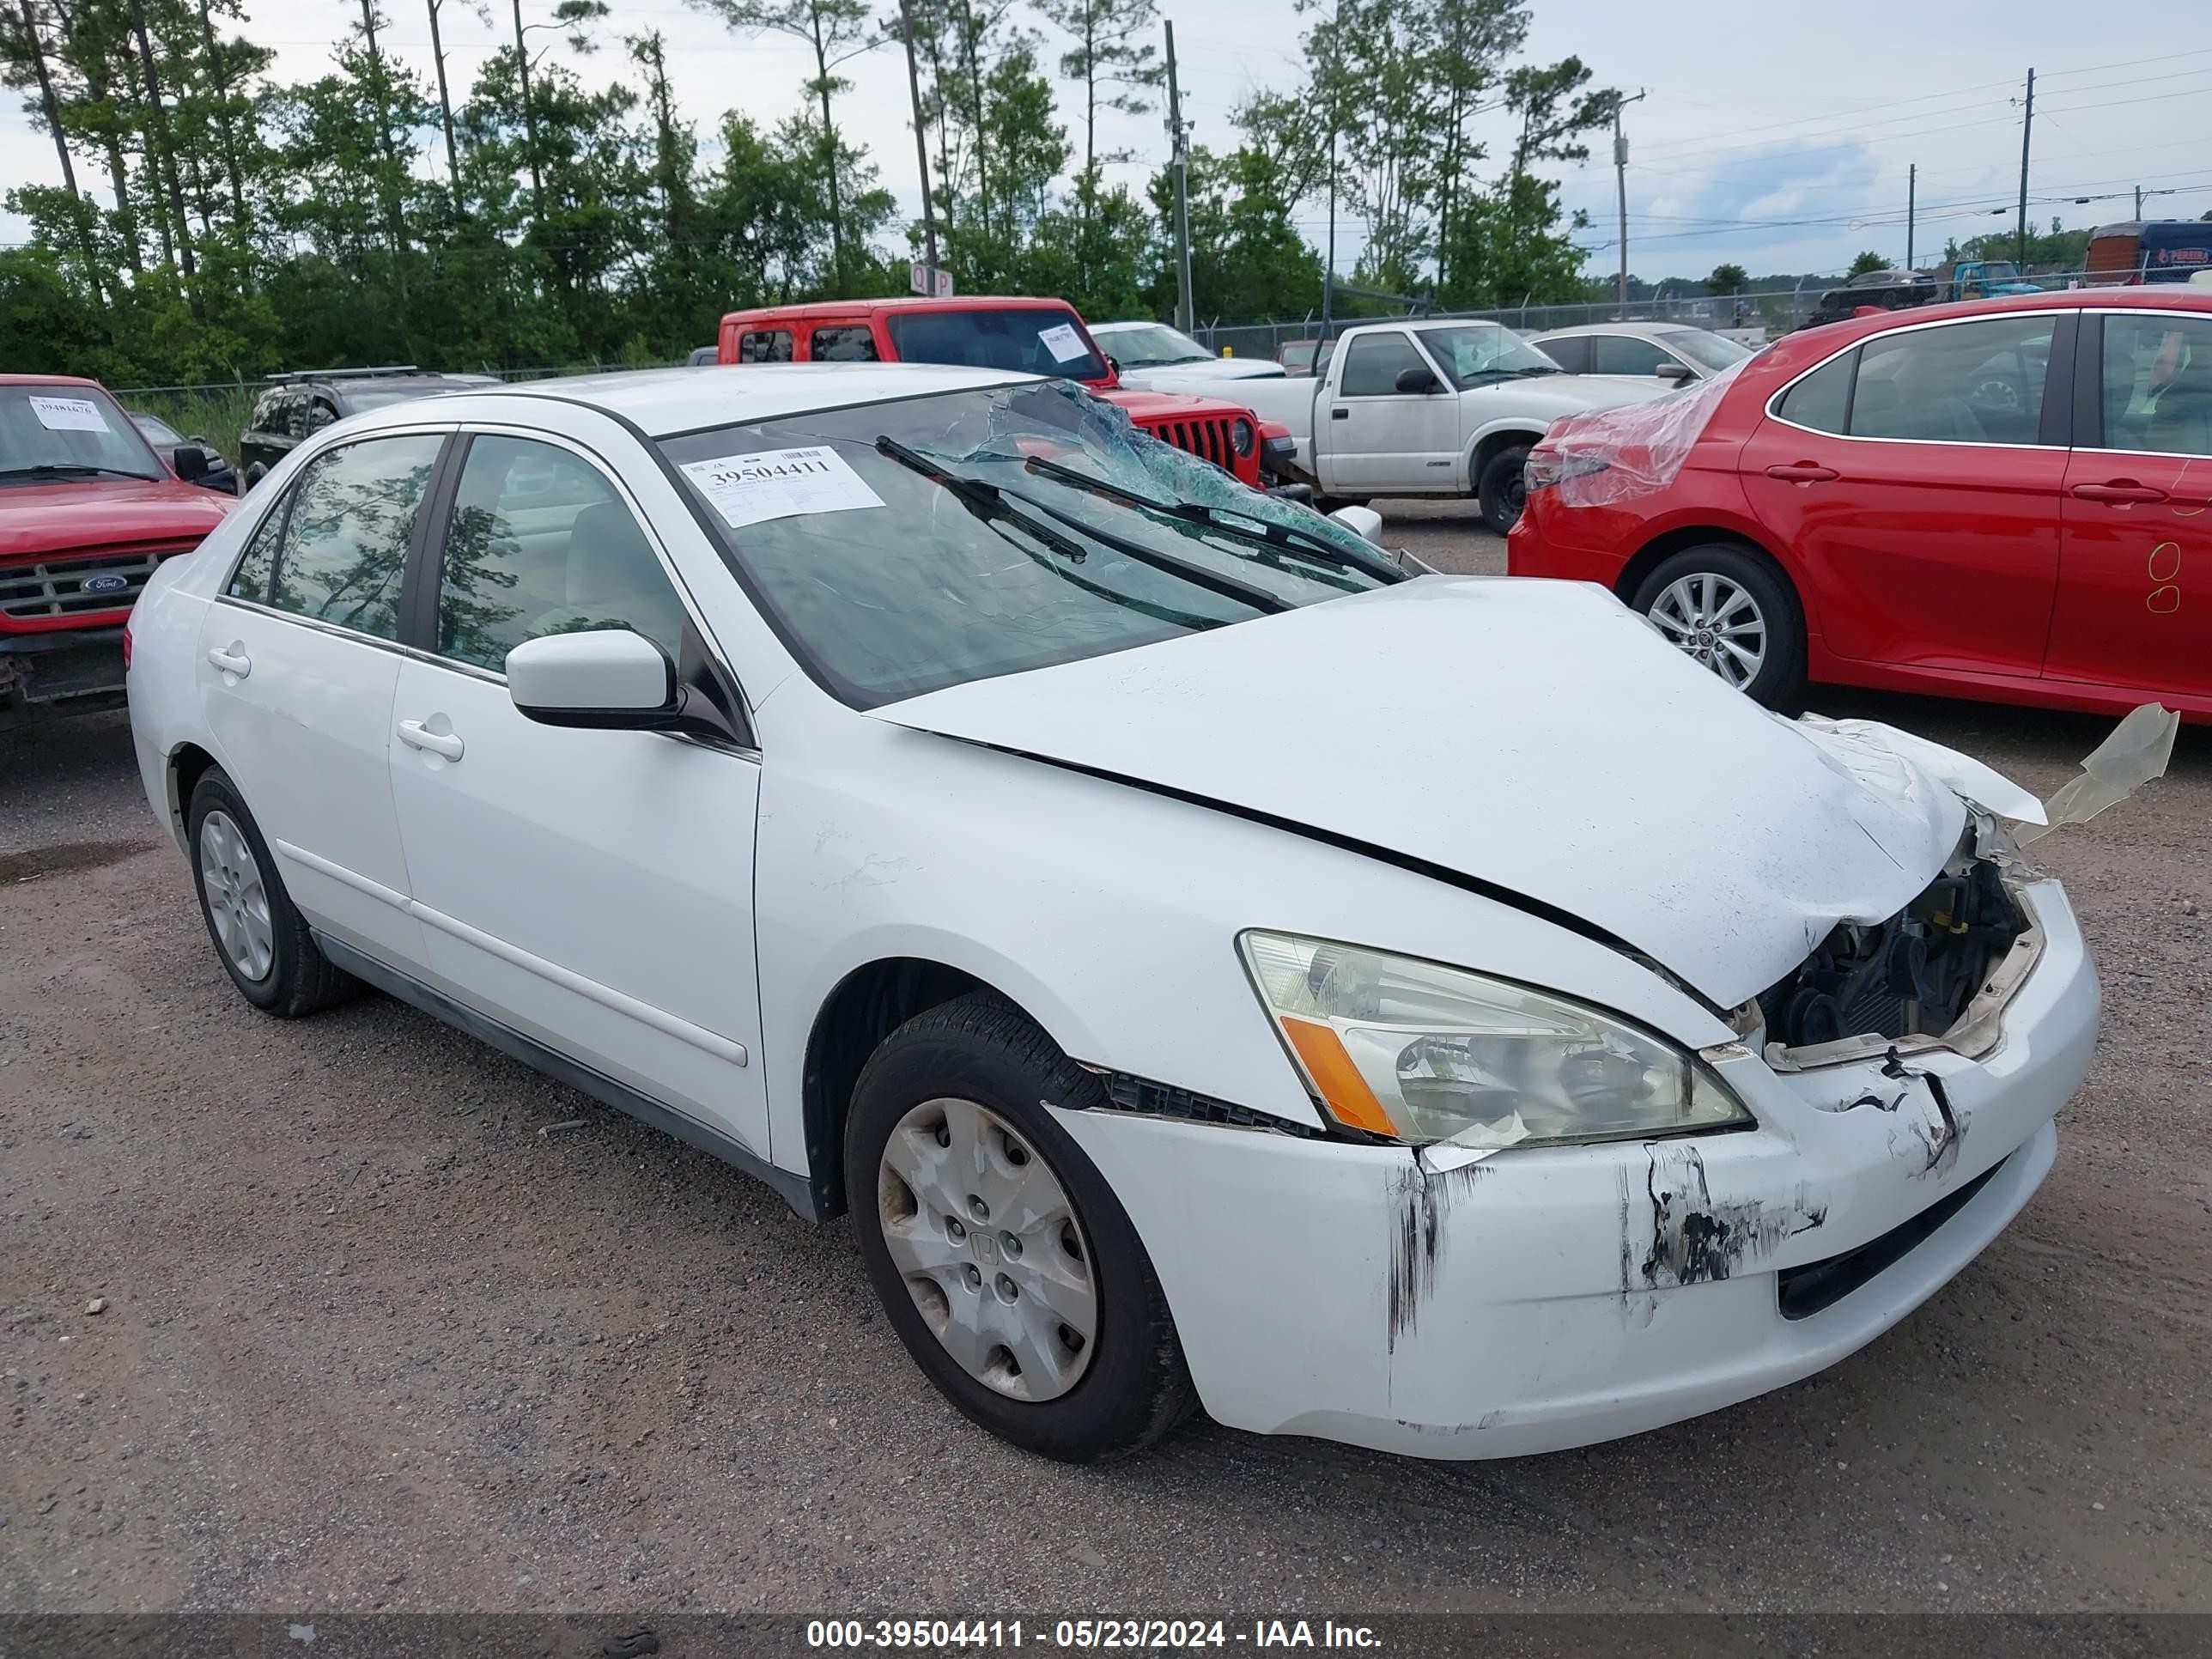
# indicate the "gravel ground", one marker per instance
pixel 373 1339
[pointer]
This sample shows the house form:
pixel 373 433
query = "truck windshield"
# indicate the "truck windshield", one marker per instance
pixel 1026 339
pixel 1473 351
pixel 901 547
pixel 1154 345
pixel 50 432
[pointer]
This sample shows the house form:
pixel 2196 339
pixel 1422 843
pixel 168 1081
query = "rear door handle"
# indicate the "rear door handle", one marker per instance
pixel 1802 472
pixel 1340 414
pixel 2119 492
pixel 234 662
pixel 415 735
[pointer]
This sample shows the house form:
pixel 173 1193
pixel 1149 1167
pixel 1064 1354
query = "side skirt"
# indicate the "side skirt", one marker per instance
pixel 794 1189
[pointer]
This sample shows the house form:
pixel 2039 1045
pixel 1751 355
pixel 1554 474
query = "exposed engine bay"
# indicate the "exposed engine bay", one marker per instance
pixel 1911 976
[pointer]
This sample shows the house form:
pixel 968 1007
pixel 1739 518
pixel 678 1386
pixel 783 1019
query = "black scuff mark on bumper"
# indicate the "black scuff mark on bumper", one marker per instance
pixel 1422 1198
pixel 1696 1239
pixel 1938 1141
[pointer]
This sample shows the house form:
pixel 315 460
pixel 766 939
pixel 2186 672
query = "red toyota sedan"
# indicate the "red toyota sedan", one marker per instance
pixel 2005 499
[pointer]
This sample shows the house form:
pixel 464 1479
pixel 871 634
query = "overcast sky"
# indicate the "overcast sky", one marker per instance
pixel 1775 137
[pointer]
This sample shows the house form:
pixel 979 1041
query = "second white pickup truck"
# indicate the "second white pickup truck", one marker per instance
pixel 1419 407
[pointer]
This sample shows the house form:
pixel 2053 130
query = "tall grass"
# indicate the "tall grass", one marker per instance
pixel 214 414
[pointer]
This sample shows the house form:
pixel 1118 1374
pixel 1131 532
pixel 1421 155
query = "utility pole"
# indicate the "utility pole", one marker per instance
pixel 2138 201
pixel 1179 138
pixel 920 148
pixel 1328 273
pixel 1620 177
pixel 2026 126
pixel 1911 188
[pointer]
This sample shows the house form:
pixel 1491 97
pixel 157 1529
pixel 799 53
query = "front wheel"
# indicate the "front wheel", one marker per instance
pixel 1002 1259
pixel 1502 488
pixel 1729 609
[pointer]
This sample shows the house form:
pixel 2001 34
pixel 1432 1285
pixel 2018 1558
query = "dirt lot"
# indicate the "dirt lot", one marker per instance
pixel 372 1339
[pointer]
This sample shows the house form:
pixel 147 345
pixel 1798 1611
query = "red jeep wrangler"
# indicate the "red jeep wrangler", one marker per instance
pixel 1023 335
pixel 86 510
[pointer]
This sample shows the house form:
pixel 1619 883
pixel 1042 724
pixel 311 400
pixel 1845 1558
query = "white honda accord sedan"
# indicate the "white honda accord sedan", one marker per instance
pixel 1213 963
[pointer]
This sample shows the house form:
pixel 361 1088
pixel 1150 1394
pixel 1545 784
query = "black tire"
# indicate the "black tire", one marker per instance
pixel 1134 1388
pixel 299 979
pixel 1781 677
pixel 1500 490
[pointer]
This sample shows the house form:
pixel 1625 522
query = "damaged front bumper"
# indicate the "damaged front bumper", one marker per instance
pixel 1453 1304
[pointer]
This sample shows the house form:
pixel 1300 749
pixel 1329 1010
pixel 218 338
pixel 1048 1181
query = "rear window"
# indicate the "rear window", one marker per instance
pixel 1024 339
pixel 843 342
pixel 1821 401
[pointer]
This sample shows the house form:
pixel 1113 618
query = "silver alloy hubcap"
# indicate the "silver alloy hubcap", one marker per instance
pixel 986 1240
pixel 237 899
pixel 1717 622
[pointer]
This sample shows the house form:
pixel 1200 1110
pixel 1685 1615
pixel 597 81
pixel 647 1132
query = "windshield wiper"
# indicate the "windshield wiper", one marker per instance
pixel 70 469
pixel 988 501
pixel 985 500
pixel 1227 520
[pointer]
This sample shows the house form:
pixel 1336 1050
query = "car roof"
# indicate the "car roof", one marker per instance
pixel 48 379
pixel 1128 323
pixel 911 302
pixel 661 402
pixel 1641 331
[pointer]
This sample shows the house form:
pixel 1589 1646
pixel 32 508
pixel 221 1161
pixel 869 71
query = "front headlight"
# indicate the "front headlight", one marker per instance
pixel 1423 1053
pixel 1243 435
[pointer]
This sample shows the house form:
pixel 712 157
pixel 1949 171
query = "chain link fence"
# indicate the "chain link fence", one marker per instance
pixel 1766 314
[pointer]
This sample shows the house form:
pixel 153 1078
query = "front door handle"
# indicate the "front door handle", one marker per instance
pixel 1340 414
pixel 234 661
pixel 1802 472
pixel 2120 492
pixel 415 735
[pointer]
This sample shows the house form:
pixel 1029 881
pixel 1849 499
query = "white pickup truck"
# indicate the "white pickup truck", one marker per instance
pixel 1420 407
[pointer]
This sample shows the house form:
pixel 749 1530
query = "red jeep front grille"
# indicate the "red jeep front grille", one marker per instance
pixel 71 589
pixel 1206 438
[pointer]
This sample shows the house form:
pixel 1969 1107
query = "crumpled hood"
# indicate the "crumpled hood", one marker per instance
pixel 1534 736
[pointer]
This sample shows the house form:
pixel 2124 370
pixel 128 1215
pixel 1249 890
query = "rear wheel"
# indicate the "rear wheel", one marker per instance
pixel 1002 1259
pixel 1729 609
pixel 261 940
pixel 1501 488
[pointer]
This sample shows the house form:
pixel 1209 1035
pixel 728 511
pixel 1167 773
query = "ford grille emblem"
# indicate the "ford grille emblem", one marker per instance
pixel 106 583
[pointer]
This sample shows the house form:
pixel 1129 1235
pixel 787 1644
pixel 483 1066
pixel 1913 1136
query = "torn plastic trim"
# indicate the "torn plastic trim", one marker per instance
pixel 1140 1097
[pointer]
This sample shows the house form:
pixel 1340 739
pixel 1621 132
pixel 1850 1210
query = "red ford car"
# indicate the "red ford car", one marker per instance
pixel 87 511
pixel 2007 499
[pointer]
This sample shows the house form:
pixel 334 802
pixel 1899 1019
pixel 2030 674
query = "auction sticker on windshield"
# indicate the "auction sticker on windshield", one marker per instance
pixel 68 414
pixel 781 483
pixel 1063 341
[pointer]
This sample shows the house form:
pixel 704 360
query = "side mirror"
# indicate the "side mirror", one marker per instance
pixel 1362 521
pixel 1675 373
pixel 1113 365
pixel 608 678
pixel 190 461
pixel 1417 378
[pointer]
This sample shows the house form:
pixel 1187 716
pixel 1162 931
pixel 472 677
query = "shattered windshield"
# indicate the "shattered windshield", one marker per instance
pixel 902 547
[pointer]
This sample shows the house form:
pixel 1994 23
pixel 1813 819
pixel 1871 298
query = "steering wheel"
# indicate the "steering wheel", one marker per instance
pixel 1998 394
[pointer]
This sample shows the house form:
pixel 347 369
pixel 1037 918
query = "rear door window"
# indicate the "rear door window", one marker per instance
pixel 345 547
pixel 539 544
pixel 843 342
pixel 1978 382
pixel 764 345
pixel 1572 354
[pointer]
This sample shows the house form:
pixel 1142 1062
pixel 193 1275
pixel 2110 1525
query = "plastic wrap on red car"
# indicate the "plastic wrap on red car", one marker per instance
pixel 1610 455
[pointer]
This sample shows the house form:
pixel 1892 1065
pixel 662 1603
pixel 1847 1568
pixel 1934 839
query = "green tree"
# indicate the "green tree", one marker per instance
pixel 836 32
pixel 1866 261
pixel 1727 279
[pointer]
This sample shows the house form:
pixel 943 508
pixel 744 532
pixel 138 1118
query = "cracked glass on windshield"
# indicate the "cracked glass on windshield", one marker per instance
pixel 901 547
